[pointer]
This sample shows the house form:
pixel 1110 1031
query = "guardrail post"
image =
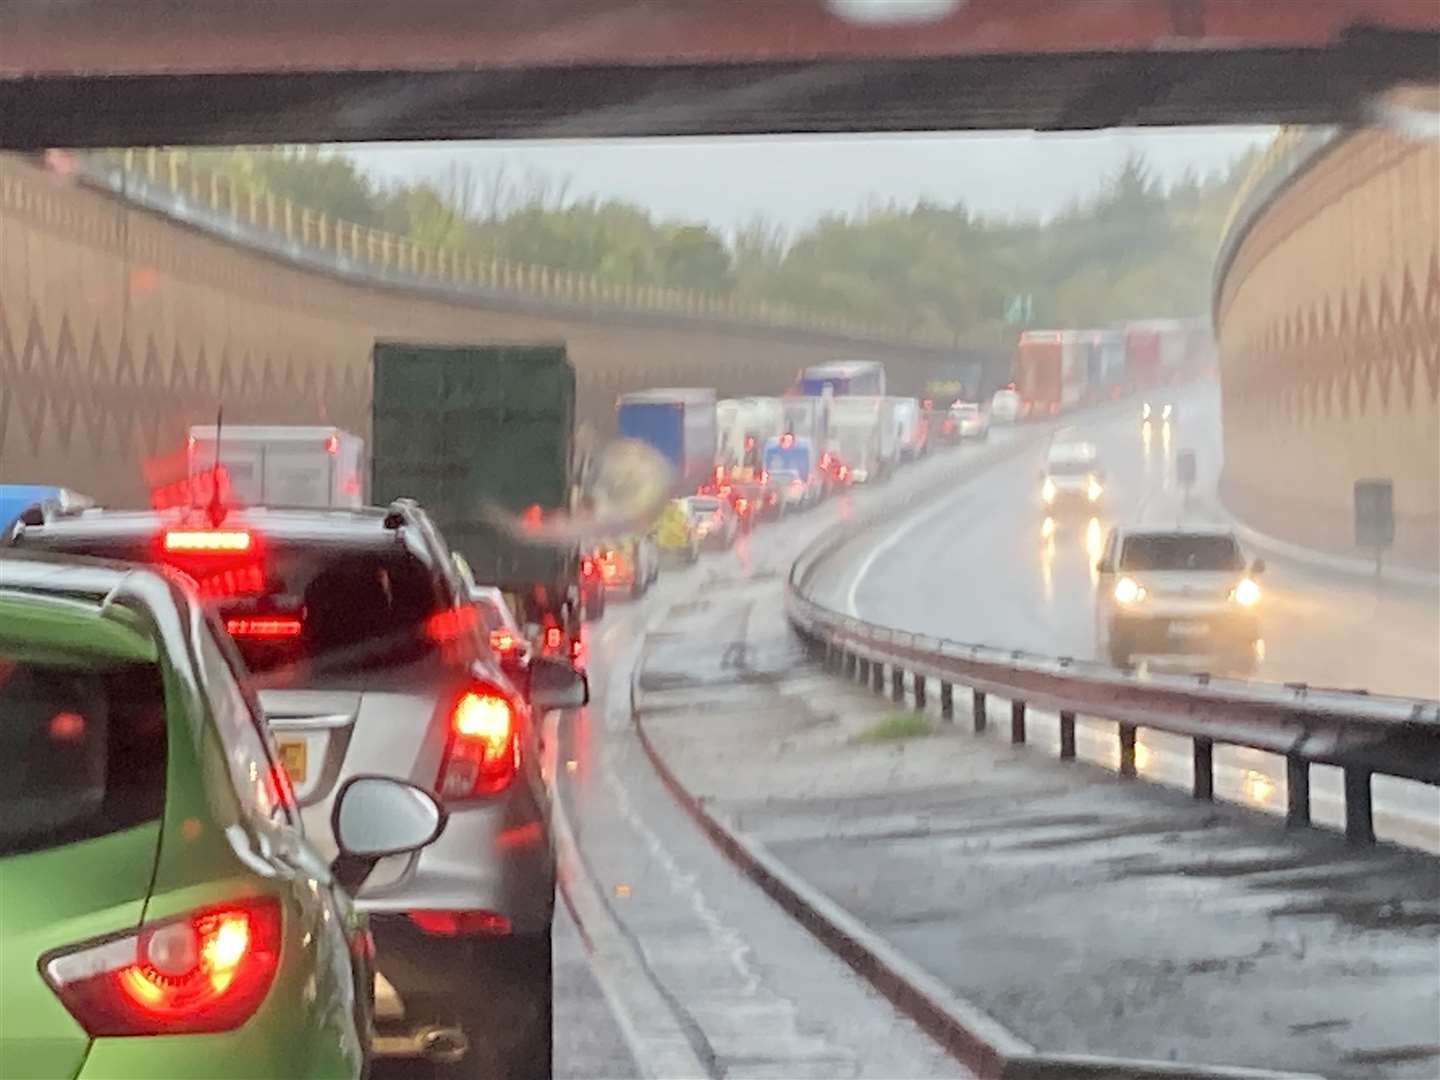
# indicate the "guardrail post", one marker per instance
pixel 979 711
pixel 1017 721
pixel 1359 816
pixel 1067 736
pixel 1127 749
pixel 897 683
pixel 1204 755
pixel 877 681
pixel 865 671
pixel 1297 791
pixel 947 701
pixel 851 662
pixel 920 689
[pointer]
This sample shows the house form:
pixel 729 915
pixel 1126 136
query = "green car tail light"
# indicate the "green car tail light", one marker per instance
pixel 205 971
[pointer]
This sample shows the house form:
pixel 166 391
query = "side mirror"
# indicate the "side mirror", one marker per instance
pixel 554 684
pixel 376 816
pixel 1257 567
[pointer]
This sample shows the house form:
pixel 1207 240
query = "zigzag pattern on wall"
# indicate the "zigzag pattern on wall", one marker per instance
pixel 67 391
pixel 1322 360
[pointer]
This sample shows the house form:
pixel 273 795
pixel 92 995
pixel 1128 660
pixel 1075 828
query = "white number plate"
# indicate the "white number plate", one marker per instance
pixel 1189 629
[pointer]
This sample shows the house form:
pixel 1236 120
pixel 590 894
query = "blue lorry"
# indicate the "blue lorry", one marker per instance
pixel 680 424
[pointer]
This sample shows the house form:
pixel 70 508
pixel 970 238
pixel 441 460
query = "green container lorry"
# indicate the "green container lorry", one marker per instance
pixel 469 430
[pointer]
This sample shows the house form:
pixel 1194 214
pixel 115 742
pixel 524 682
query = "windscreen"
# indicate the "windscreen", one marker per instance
pixel 1181 553
pixel 82 751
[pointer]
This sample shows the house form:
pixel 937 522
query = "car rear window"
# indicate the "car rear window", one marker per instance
pixel 310 611
pixel 1070 467
pixel 1180 553
pixel 82 751
pixel 704 506
pixel 304 614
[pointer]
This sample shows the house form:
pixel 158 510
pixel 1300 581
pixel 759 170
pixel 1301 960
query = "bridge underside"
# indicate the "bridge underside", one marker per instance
pixel 1068 91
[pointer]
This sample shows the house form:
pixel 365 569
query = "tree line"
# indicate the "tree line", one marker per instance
pixel 1135 248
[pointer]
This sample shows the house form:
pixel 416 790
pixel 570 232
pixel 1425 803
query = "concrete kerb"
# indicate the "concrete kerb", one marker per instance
pixel 1336 564
pixel 967 1033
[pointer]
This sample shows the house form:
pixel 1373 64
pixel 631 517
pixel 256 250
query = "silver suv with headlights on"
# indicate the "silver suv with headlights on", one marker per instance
pixel 1182 591
pixel 370 658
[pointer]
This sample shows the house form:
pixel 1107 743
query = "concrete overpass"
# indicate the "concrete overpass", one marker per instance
pixel 1327 308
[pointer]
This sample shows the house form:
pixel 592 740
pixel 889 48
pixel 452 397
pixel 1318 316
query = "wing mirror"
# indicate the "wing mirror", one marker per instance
pixel 378 816
pixel 554 684
pixel 1257 567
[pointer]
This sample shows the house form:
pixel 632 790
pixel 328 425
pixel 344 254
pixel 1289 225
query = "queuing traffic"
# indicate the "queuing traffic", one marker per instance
pixel 364 640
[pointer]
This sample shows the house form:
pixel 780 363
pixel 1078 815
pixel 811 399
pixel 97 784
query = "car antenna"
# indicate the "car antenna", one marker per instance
pixel 216 510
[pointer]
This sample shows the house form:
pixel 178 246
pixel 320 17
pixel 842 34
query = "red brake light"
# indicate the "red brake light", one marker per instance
pixel 267 626
pixel 587 567
pixel 332 444
pixel 552 637
pixel 742 505
pixel 483 753
pixel 764 477
pixel 749 442
pixel 450 624
pixel 454 923
pixel 205 971
pixel 844 471
pixel 208 541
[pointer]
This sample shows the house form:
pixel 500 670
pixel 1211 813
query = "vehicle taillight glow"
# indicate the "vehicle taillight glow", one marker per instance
pixel 587 568
pixel 553 637
pixel 577 652
pixel 208 540
pixel 203 972
pixel 503 642
pixel 450 624
pixel 742 506
pixel 844 472
pixel 453 923
pixel 483 753
pixel 278 626
pixel 332 444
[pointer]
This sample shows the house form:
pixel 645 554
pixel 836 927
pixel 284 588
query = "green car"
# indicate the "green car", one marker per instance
pixel 161 914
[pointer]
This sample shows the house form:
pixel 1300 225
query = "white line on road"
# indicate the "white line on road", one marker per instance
pixel 946 501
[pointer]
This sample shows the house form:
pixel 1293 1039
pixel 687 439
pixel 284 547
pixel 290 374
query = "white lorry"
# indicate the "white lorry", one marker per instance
pixel 863 437
pixel 908 430
pixel 282 465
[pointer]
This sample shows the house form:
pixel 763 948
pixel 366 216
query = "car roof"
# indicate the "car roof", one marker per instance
pixel 124 593
pixel 364 526
pixel 1076 451
pixel 1132 531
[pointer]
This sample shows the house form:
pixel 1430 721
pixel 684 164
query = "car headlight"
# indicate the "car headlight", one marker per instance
pixel 1145 411
pixel 1246 594
pixel 1127 591
pixel 1165 413
pixel 1094 490
pixel 1047 490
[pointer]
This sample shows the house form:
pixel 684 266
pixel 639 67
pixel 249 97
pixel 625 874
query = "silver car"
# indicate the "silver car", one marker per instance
pixel 1185 591
pixel 370 658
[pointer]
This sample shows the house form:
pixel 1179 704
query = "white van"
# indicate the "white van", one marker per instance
pixel 283 466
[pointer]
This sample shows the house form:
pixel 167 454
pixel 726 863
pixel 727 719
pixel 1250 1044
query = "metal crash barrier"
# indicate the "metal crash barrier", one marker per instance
pixel 1363 734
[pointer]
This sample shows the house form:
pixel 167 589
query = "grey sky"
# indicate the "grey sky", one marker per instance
pixel 795 179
